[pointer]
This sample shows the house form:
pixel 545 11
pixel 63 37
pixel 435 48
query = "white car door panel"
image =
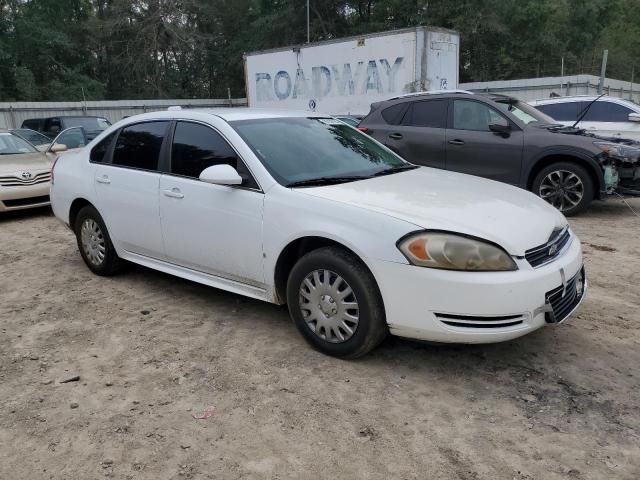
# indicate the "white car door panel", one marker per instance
pixel 128 202
pixel 128 190
pixel 216 229
pixel 213 228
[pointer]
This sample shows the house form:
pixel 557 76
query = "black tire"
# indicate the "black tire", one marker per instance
pixel 110 263
pixel 578 171
pixel 371 328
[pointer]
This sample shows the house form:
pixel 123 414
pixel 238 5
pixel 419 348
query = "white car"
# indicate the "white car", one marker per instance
pixel 608 116
pixel 303 209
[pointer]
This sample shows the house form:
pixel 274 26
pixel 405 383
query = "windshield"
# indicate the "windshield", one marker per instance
pixel 11 144
pixel 32 136
pixel 525 112
pixel 302 149
pixel 88 123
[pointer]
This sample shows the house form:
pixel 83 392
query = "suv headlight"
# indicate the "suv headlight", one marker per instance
pixel 618 150
pixel 450 251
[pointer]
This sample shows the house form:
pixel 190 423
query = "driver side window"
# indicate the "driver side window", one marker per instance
pixel 476 116
pixel 196 147
pixel 72 138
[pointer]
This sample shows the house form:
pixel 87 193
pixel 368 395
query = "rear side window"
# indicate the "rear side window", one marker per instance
pixel 431 113
pixel 99 152
pixel 566 111
pixel 606 112
pixel 32 124
pixel 138 146
pixel 197 147
pixel 393 114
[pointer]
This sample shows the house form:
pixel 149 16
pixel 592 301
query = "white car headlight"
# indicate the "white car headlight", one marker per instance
pixel 450 251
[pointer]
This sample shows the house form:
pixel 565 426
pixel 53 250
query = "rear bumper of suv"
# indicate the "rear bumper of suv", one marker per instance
pixel 479 307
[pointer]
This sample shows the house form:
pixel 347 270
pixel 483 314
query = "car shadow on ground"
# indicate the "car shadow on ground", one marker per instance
pixel 26 214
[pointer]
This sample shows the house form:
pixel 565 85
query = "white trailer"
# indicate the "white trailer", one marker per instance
pixel 346 75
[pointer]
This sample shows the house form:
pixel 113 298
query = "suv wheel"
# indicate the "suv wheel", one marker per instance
pixel 95 244
pixel 335 303
pixel 566 186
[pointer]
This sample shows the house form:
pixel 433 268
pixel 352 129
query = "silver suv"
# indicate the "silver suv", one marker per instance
pixel 504 139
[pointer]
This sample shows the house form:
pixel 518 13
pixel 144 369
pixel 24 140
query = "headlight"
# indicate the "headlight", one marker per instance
pixel 618 149
pixel 450 251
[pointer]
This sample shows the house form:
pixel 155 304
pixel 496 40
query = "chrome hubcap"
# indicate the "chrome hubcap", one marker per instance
pixel 562 189
pixel 329 306
pixel 92 241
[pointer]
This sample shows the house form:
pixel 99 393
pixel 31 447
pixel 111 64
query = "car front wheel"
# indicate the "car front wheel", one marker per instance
pixel 335 303
pixel 95 244
pixel 566 186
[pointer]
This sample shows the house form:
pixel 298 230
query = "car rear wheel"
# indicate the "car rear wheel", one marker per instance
pixel 335 303
pixel 566 186
pixel 95 244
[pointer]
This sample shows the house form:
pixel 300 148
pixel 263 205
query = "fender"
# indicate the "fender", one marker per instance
pixel 590 159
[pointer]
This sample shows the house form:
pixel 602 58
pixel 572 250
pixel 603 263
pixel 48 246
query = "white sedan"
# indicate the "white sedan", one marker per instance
pixel 303 209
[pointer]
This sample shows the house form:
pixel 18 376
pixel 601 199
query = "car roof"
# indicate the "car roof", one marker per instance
pixel 581 98
pixel 229 114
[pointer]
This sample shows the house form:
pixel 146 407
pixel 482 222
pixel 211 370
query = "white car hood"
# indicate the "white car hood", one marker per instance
pixel 441 200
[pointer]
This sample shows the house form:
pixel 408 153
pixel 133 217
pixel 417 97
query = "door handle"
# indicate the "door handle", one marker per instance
pixel 396 136
pixel 456 142
pixel 173 193
pixel 103 179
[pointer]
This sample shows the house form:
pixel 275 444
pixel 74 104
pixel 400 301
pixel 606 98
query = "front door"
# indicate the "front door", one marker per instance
pixel 127 189
pixel 214 229
pixel 474 149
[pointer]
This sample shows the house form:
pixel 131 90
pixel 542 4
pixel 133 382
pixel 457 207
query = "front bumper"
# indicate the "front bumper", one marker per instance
pixel 473 307
pixel 22 197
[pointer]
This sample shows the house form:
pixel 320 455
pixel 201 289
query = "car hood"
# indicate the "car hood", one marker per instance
pixel 11 164
pixel 441 200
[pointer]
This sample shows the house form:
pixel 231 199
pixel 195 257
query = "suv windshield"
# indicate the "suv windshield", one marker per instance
pixel 312 151
pixel 14 145
pixel 88 123
pixel 524 112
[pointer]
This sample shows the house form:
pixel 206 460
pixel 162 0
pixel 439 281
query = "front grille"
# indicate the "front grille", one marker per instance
pixel 545 253
pixel 564 299
pixel 473 321
pixel 13 181
pixel 21 202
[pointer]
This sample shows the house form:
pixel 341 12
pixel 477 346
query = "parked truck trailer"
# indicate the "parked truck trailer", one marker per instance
pixel 346 75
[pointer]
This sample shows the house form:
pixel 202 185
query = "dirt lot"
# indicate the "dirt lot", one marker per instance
pixel 153 351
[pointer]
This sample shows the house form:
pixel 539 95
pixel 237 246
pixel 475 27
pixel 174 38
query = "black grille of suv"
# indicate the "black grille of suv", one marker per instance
pixel 545 253
pixel 563 305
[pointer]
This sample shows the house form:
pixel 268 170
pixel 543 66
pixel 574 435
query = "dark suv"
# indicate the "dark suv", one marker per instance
pixel 501 138
pixel 52 126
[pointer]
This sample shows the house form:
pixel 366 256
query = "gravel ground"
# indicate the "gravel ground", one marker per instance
pixel 153 352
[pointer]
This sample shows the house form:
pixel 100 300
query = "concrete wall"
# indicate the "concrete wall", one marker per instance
pixel 13 113
pixel 539 88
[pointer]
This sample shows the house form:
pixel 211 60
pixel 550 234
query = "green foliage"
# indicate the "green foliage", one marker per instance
pixel 95 49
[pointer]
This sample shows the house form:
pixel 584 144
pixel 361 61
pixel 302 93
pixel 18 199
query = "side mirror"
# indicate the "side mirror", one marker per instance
pixel 221 175
pixel 634 117
pixel 58 147
pixel 500 128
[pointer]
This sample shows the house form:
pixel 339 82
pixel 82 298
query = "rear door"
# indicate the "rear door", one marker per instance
pixel 565 113
pixel 474 149
pixel 609 119
pixel 216 229
pixel 420 136
pixel 128 188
